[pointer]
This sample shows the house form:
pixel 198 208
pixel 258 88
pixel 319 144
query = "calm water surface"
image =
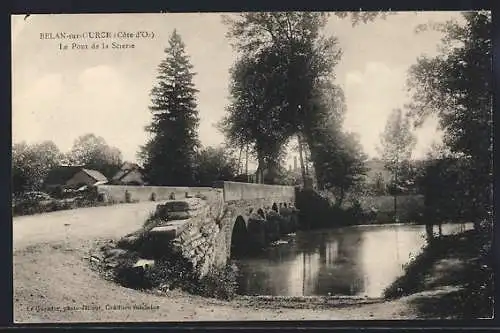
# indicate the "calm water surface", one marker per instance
pixel 351 261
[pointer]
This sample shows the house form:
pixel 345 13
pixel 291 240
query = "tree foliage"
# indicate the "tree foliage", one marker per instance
pixel 213 164
pixel 339 163
pixel 397 143
pixel 31 164
pixel 94 153
pixel 457 86
pixel 284 60
pixel 169 156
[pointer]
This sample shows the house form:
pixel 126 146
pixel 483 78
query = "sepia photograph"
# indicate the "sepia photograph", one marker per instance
pixel 252 166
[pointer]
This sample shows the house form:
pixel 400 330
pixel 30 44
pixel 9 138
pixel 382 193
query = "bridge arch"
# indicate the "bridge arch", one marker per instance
pixel 239 237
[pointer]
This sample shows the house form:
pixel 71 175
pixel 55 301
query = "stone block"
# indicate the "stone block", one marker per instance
pixel 114 253
pixel 168 232
pixel 180 205
pixel 177 215
pixel 128 241
pixel 193 231
pixel 144 263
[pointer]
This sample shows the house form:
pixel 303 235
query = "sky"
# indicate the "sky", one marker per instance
pixel 60 95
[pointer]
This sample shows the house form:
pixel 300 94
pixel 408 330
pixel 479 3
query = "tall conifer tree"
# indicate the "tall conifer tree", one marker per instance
pixel 170 153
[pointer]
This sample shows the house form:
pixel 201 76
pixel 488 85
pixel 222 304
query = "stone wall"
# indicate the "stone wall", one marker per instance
pixel 200 228
pixel 117 193
pixel 188 227
pixel 246 191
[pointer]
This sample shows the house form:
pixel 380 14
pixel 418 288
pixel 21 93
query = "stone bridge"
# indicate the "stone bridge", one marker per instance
pixel 207 226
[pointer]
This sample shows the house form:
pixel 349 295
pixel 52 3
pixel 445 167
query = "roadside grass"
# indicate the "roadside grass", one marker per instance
pixel 472 275
pixel 58 205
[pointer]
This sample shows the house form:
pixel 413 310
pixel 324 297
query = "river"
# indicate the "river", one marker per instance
pixel 350 261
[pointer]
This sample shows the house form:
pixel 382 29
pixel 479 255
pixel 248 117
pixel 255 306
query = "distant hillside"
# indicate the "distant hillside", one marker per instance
pixel 376 166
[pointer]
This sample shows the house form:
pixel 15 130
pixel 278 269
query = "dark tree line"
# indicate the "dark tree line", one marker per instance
pixel 456 85
pixel 32 163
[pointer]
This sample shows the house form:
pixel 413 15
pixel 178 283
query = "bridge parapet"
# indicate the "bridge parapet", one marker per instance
pixel 206 228
pixel 234 191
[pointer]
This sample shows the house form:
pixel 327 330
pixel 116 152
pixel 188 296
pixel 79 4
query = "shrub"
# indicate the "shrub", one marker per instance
pixel 220 284
pixel 174 272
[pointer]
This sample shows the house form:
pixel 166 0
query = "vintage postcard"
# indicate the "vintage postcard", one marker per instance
pixel 252 166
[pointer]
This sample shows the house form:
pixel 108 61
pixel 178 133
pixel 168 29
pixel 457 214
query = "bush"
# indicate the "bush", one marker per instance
pixel 326 215
pixel 220 284
pixel 30 207
pixel 175 272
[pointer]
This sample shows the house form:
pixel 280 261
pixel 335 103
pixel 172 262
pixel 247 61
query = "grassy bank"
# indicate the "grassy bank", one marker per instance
pixel 461 263
pixel 32 208
pixel 317 211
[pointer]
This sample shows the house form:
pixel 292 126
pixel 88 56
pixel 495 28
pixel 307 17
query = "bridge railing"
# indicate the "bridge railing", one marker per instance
pixel 234 191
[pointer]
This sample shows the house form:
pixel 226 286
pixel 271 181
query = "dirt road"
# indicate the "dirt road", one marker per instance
pixel 54 283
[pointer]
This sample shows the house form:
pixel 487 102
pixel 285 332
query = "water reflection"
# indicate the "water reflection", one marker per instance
pixel 361 260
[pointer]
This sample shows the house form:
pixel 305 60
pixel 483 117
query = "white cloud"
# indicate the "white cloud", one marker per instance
pixel 371 94
pixel 34 108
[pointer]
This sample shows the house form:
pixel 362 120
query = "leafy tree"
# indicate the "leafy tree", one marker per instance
pixel 397 143
pixel 214 164
pixel 285 66
pixel 363 17
pixel 252 118
pixel 283 57
pixel 31 164
pixel 94 153
pixel 169 156
pixel 457 86
pixel 340 164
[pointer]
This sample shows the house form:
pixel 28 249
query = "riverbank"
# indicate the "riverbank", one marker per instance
pixel 54 281
pixel 453 277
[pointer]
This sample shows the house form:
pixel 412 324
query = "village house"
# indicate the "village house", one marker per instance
pixel 129 174
pixel 72 177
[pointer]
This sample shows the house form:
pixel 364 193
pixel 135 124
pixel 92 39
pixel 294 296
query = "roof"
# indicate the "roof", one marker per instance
pixel 95 174
pixel 126 168
pixel 61 174
pixel 129 166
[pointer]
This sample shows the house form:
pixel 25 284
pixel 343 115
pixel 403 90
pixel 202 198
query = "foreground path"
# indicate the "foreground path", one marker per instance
pixel 54 283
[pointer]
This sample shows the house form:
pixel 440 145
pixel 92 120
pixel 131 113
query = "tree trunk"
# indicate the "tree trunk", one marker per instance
pixel 395 194
pixel 395 206
pixel 239 162
pixel 429 232
pixel 246 166
pixel 340 200
pixel 272 168
pixel 299 140
pixel 260 169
